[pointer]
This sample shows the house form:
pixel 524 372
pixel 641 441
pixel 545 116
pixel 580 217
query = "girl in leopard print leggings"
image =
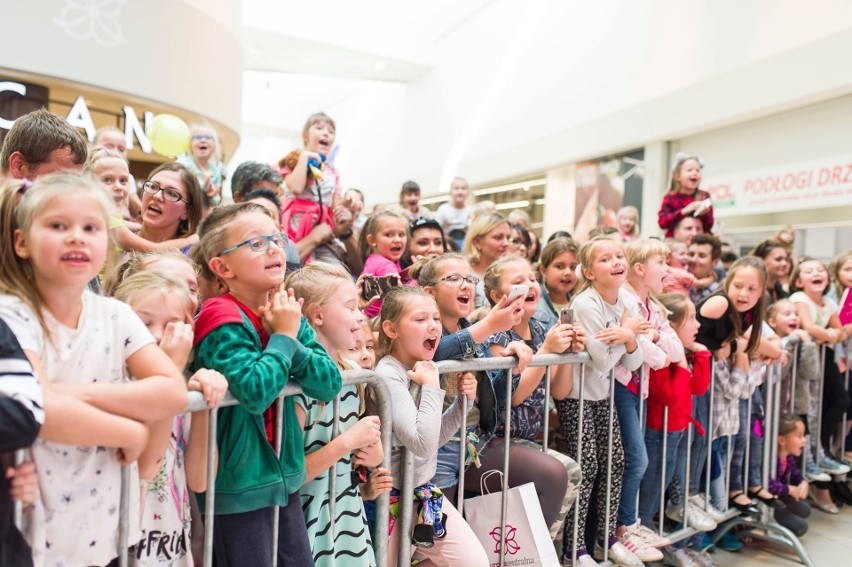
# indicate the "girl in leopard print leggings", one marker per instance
pixel 602 309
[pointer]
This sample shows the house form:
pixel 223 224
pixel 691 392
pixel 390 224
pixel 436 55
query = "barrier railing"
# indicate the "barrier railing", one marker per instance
pixel 764 527
pixel 197 403
pixel 730 517
pixel 475 365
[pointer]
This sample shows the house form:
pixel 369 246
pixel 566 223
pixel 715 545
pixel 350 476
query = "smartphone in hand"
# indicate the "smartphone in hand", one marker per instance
pixel 518 291
pixel 566 316
pixel 378 285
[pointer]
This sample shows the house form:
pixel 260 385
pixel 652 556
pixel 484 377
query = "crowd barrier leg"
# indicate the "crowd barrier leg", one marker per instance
pixel 842 429
pixel 747 456
pixel 507 446
pixel 580 422
pixel 793 372
pixel 210 495
pixel 546 411
pixel 709 433
pixel 279 430
pixel 332 474
pixel 818 440
pixel 406 509
pixel 124 518
pixel 18 514
pixel 462 455
pixel 611 426
pixel 663 468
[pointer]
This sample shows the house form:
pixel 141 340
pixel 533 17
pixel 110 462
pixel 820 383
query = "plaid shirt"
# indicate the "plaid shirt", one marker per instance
pixel 673 204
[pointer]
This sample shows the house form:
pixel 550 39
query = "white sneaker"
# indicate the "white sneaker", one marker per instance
pixel 697 518
pixel 634 543
pixel 702 558
pixel 651 537
pixel 619 555
pixel 680 558
pixel 715 514
pixel 582 561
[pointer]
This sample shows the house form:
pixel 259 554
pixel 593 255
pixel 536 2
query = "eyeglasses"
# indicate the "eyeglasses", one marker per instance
pixel 259 243
pixel 173 195
pixel 456 280
pixel 203 138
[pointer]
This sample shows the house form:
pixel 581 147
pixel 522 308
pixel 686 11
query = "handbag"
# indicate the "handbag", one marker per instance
pixel 527 537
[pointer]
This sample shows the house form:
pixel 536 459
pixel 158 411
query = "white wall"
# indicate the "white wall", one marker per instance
pixel 524 88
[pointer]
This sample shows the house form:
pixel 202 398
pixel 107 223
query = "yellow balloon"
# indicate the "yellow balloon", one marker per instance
pixel 169 135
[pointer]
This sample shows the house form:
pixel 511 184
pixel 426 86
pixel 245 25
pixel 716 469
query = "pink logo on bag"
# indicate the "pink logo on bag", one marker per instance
pixel 511 546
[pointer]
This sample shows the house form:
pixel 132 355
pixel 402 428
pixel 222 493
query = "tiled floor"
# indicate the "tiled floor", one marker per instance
pixel 828 541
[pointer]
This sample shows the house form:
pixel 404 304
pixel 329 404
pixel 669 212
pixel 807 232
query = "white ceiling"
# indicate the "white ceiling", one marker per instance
pixel 383 40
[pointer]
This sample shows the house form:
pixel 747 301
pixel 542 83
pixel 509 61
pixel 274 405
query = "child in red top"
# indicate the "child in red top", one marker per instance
pixel 684 197
pixel 672 387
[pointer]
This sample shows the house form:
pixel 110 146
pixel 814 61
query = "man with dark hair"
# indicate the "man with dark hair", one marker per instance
pixel 40 143
pixel 704 253
pixel 251 175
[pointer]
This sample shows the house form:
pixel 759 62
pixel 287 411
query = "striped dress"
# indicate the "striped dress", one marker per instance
pixel 352 545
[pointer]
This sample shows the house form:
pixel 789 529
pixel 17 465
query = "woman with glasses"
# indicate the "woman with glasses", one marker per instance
pixel 171 204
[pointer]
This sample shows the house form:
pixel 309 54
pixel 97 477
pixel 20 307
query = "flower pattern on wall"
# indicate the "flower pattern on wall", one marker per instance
pixel 92 19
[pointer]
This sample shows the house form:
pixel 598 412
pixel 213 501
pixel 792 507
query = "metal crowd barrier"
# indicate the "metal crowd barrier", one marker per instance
pixel 197 403
pixel 475 365
pixel 762 528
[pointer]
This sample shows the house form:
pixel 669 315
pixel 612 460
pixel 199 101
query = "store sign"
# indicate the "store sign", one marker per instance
pixel 812 184
pixel 80 117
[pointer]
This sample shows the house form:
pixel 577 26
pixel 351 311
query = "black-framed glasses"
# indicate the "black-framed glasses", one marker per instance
pixel 259 243
pixel 456 280
pixel 169 194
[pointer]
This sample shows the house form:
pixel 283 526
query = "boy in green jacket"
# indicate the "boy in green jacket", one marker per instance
pixel 256 336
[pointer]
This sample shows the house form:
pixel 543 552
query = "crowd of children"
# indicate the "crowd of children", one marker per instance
pixel 114 304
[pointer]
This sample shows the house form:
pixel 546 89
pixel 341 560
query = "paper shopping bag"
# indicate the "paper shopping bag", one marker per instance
pixel 527 538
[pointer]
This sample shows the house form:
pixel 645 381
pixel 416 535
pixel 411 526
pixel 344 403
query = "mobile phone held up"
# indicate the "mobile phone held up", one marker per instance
pixel 518 291
pixel 378 285
pixel 566 316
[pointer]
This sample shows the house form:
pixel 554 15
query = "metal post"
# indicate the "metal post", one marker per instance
pixel 793 373
pixel 210 494
pixel 279 430
pixel 663 469
pixel 776 414
pixel 332 472
pixel 546 424
pixel 709 435
pixel 124 517
pixel 19 506
pixel 504 504
pixel 462 454
pixel 769 402
pixel 842 427
pixel 406 508
pixel 609 462
pixel 579 463
pixel 643 378
pixel 748 434
pixel 689 433
pixel 823 353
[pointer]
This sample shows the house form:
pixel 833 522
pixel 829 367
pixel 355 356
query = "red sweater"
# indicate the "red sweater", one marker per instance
pixel 674 386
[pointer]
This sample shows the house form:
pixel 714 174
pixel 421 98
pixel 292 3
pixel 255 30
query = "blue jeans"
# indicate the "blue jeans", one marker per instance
pixel 649 491
pixel 698 456
pixel 635 454
pixel 447 467
pixel 719 472
pixel 755 455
